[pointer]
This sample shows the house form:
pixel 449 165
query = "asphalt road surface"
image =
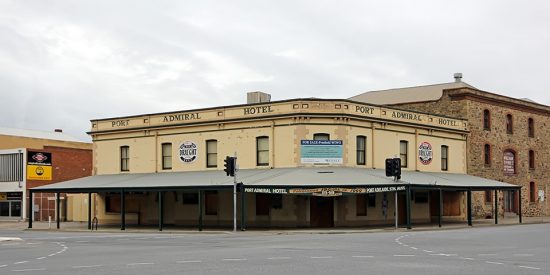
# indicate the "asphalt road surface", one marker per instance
pixel 519 249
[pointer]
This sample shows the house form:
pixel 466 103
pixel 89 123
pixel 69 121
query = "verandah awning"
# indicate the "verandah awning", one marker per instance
pixel 316 177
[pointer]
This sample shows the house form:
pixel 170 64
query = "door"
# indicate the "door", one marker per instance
pixel 321 211
pixel 510 201
pixel 401 209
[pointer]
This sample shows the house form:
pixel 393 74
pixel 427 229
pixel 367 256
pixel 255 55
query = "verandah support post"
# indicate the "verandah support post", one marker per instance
pixel 57 210
pixel 122 211
pixel 243 208
pixel 89 211
pixel 519 205
pixel 396 212
pixel 469 206
pixel 161 212
pixel 200 209
pixel 408 203
pixel 30 207
pixel 496 206
pixel 440 209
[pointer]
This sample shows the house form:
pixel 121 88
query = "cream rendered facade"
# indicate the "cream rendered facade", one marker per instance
pixel 285 124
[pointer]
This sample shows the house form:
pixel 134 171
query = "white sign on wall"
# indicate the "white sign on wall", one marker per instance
pixel 425 153
pixel 188 152
pixel 541 195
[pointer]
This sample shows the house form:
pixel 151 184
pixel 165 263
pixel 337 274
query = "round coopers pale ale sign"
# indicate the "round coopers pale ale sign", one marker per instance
pixel 425 153
pixel 188 152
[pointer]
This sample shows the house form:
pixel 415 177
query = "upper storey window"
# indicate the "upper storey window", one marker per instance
pixel 321 136
pixel 361 146
pixel 167 156
pixel 124 158
pixel 509 124
pixel 486 120
pixel 531 127
pixel 262 151
pixel 404 152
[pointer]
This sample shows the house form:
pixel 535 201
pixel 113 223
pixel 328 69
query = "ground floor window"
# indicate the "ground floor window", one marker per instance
pixel 190 198
pixel 112 203
pixel 211 202
pixel 263 203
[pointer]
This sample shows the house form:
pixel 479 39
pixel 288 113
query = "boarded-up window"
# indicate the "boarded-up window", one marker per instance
pixel 211 202
pixel 167 156
pixel 509 162
pixel 451 203
pixel 263 204
pixel 361 205
pixel 211 153
pixel 262 151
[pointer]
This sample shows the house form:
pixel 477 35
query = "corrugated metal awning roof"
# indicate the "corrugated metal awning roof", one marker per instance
pixel 280 177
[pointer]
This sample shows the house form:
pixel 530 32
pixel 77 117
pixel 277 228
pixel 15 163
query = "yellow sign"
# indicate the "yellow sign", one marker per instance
pixel 39 172
pixel 3 196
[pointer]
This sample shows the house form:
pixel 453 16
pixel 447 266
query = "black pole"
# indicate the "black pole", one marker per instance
pixel 89 211
pixel 122 211
pixel 160 210
pixel 469 206
pixel 243 209
pixel 200 210
pixel 408 207
pixel 496 206
pixel 440 212
pixel 30 206
pixel 57 199
pixel 519 206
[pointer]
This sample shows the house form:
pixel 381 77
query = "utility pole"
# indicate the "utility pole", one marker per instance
pixel 235 167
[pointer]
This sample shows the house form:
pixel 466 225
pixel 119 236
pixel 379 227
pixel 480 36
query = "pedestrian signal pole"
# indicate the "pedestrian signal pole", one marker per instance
pixel 230 169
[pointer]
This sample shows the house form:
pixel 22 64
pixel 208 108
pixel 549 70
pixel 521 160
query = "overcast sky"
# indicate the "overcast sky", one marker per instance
pixel 63 63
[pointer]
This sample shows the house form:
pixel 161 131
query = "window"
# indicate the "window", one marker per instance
pixel 166 156
pixel 262 151
pixel 531 127
pixel 371 200
pixel 531 159
pixel 361 205
pixel 11 167
pixel 124 158
pixel 211 153
pixel 112 202
pixel 509 124
pixel 403 152
pixel 486 120
pixel 211 202
pixel 262 204
pixel 321 136
pixel 509 162
pixel 420 196
pixel 444 158
pixel 487 155
pixel 277 201
pixel 488 196
pixel 361 146
pixel 190 198
pixel 532 192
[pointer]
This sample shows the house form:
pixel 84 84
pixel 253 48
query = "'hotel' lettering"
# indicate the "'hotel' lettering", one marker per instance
pixel 257 110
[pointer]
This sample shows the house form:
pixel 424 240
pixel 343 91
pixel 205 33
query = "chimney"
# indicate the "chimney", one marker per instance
pixel 458 77
pixel 257 97
pixel 58 130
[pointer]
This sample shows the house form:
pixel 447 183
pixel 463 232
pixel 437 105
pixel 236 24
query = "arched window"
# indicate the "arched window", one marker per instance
pixel 486 120
pixel 509 124
pixel 509 162
pixel 487 155
pixel 531 127
pixel 531 159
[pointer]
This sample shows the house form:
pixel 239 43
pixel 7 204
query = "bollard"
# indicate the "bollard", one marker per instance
pixel 49 222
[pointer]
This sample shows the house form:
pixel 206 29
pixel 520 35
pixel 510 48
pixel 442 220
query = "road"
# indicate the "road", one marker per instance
pixel 519 249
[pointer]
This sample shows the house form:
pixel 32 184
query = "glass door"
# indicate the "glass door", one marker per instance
pixel 15 209
pixel 4 208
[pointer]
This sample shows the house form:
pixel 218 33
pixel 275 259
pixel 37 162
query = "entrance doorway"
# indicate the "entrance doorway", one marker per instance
pixel 321 211
pixel 510 205
pixel 402 209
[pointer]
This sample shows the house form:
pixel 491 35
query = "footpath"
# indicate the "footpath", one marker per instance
pixel 83 227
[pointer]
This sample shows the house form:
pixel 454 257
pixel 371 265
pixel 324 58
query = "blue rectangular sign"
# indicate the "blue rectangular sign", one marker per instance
pixel 321 152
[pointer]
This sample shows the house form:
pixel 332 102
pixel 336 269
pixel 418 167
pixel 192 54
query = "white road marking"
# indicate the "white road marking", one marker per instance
pixel 405 245
pixel 278 258
pixel 486 254
pixel 140 263
pixel 469 259
pixel 234 259
pixel 403 255
pixel 438 254
pixel 414 248
pixel 4 265
pixel 529 267
pixel 362 256
pixel 33 243
pixel 82 241
pixel 493 262
pixel 321 257
pixel 427 251
pixel 21 262
pixel 523 255
pixel 186 262
pixel 27 270
pixel 87 266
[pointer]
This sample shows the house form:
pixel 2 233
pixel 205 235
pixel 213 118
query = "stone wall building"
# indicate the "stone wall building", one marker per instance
pixel 509 140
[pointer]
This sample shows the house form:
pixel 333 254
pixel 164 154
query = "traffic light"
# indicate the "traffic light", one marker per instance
pixel 229 164
pixel 393 167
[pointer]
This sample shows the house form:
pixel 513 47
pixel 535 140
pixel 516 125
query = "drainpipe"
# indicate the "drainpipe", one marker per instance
pixel 272 144
pixel 415 150
pixel 156 151
pixel 373 128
